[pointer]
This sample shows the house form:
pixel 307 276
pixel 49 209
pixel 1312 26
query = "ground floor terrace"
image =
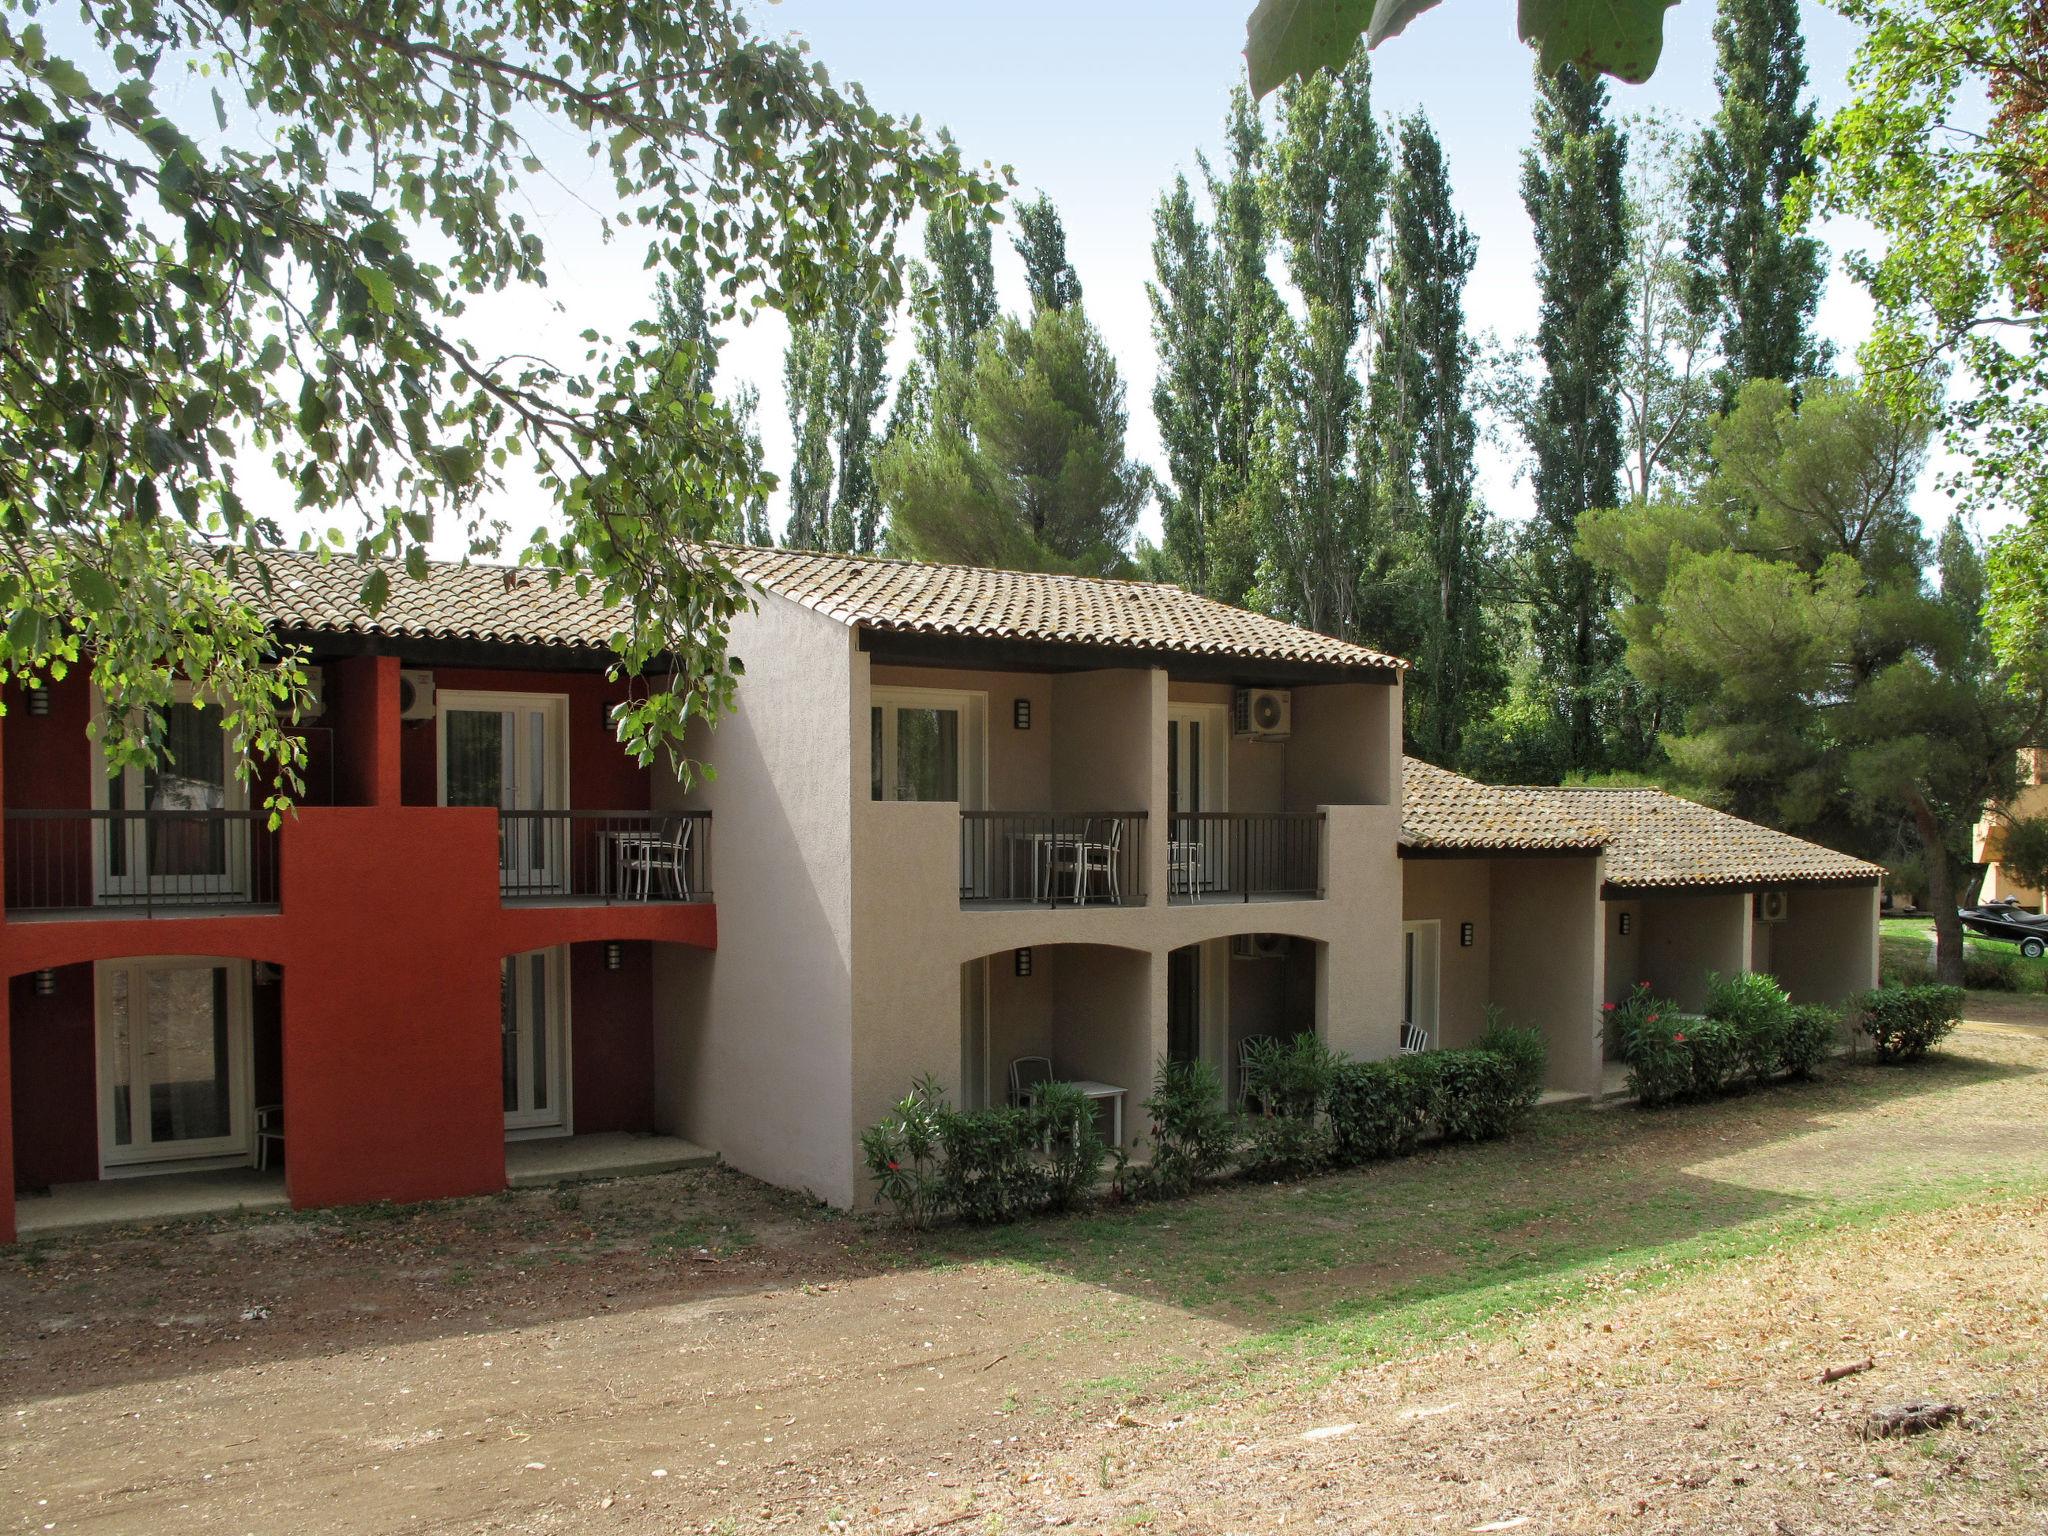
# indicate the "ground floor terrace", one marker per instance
pixel 1617 1322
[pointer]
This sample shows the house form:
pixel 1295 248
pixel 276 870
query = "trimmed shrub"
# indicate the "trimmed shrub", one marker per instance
pixel 1525 1049
pixel 1067 1130
pixel 1811 1034
pixel 1194 1136
pixel 1990 971
pixel 1905 1023
pixel 1649 1035
pixel 1479 1095
pixel 1760 1013
pixel 1379 1110
pixel 1290 1080
pixel 1716 1050
pixel 992 1170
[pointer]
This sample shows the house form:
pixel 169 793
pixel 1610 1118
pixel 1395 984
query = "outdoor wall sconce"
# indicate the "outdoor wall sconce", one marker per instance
pixel 1464 935
pixel 1624 922
pixel 614 954
pixel 1023 962
pixel 46 983
pixel 39 702
pixel 1020 714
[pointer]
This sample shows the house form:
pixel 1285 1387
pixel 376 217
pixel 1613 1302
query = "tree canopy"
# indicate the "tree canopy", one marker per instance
pixel 237 248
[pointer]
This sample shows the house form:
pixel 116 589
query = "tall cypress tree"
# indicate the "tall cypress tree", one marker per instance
pixel 833 374
pixel 1759 284
pixel 1572 187
pixel 1190 329
pixel 1424 352
pixel 1041 239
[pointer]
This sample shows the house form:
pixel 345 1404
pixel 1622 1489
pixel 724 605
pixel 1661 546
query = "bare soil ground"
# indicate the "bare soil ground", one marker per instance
pixel 1616 1321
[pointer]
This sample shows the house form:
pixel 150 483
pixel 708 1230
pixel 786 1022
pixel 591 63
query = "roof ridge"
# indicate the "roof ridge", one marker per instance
pixel 850 557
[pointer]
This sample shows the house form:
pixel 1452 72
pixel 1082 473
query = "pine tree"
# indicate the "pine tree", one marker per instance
pixel 1041 239
pixel 1428 463
pixel 1572 187
pixel 1327 190
pixel 1757 284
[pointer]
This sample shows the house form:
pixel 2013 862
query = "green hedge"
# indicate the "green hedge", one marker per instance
pixel 1905 1023
pixel 930 1160
pixel 1750 1034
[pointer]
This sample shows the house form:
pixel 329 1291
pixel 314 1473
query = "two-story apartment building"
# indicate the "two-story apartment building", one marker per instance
pixel 981 824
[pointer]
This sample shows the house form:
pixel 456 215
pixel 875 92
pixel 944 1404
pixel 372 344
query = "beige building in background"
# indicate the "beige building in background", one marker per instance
pixel 1988 840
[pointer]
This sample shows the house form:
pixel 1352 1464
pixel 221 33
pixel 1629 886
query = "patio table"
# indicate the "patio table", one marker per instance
pixel 1094 1091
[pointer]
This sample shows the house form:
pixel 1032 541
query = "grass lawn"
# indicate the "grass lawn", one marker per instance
pixel 1906 946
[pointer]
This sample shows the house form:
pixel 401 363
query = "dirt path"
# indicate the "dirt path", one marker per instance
pixel 1612 1323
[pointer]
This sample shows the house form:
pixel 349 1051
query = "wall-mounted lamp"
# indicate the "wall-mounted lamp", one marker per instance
pixel 1624 922
pixel 1020 714
pixel 1023 958
pixel 1464 935
pixel 614 954
pixel 39 702
pixel 46 983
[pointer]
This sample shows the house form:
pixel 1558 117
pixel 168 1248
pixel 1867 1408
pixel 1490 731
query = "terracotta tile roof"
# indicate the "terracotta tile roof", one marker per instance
pixel 1657 839
pixel 496 603
pixel 1441 809
pixel 911 598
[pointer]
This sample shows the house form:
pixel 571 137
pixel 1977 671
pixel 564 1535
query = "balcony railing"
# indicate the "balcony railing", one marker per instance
pixel 1232 856
pixel 608 856
pixel 140 862
pixel 1026 859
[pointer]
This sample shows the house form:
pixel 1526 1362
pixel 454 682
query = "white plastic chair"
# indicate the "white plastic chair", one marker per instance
pixel 269 1132
pixel 1414 1039
pixel 670 854
pixel 1090 858
pixel 1027 1075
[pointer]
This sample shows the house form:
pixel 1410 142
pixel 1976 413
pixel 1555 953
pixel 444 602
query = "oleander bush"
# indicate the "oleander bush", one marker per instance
pixel 1905 1023
pixel 1648 1034
pixel 1072 1143
pixel 902 1154
pixel 1194 1138
pixel 1480 1095
pixel 1525 1049
pixel 930 1160
pixel 1760 1013
pixel 1289 1080
pixel 1812 1034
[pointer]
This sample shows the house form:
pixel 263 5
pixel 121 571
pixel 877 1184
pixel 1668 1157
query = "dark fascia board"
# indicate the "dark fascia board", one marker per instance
pixel 1612 892
pixel 979 653
pixel 326 644
pixel 1409 851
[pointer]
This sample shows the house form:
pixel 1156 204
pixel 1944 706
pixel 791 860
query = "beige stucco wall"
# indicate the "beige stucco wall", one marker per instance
pixel 753 1056
pixel 1826 949
pixel 1624 950
pixel 1548 957
pixel 1450 892
pixel 1689 936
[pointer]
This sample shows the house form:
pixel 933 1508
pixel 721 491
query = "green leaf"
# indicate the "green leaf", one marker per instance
pixel 383 292
pixel 1623 38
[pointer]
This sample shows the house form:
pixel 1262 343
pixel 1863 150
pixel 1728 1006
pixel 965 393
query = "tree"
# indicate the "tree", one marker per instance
pixel 1666 381
pixel 1572 187
pixel 1841 678
pixel 218 294
pixel 1424 349
pixel 687 361
pixel 1041 240
pixel 1033 476
pixel 1214 308
pixel 1758 283
pixel 1326 194
pixel 1289 38
pixel 1962 280
pixel 834 377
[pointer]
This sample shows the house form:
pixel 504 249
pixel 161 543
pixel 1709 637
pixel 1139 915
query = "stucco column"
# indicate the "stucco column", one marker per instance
pixel 6 1032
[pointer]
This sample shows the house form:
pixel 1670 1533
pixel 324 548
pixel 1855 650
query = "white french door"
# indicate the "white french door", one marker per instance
pixel 533 1022
pixel 926 744
pixel 510 750
pixel 173 1060
pixel 1197 766
pixel 1421 944
pixel 171 854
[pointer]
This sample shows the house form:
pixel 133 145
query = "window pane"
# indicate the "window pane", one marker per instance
pixel 192 777
pixel 476 756
pixel 875 750
pixel 1408 977
pixel 508 1034
pixel 121 1051
pixel 538 1008
pixel 927 754
pixel 185 1050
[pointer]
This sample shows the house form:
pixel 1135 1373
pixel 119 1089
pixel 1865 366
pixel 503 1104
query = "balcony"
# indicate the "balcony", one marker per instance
pixel 604 857
pixel 139 863
pixel 1225 856
pixel 1036 859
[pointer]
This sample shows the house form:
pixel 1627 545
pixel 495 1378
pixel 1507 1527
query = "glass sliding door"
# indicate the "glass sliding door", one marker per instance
pixel 1196 759
pixel 173 1060
pixel 533 1023
pixel 509 750
pixel 174 854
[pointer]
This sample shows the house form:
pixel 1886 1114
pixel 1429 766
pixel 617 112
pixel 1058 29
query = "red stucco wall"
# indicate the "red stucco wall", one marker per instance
pixel 56 1118
pixel 611 1039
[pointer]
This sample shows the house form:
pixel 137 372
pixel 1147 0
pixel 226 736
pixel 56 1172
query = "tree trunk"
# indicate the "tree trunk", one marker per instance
pixel 1941 893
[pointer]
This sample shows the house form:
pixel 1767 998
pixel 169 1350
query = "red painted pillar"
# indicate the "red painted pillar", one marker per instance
pixel 366 731
pixel 6 1030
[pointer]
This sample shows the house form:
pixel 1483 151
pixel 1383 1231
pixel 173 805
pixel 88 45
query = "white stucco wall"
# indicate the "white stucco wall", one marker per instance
pixel 1548 960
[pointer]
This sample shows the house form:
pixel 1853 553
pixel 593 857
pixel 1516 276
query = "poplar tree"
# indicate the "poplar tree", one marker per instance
pixel 1041 239
pixel 834 376
pixel 1425 353
pixel 1758 284
pixel 1572 187
pixel 687 362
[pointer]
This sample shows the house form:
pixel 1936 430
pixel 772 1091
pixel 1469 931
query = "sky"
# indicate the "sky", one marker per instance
pixel 1100 103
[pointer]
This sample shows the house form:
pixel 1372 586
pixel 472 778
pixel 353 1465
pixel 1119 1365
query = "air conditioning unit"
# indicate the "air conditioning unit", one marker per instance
pixel 1770 906
pixel 1259 946
pixel 316 697
pixel 415 695
pixel 1267 713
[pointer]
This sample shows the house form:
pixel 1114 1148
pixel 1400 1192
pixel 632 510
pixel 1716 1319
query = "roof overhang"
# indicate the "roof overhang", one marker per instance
pixel 1615 891
pixel 1438 851
pixel 901 648
pixel 449 651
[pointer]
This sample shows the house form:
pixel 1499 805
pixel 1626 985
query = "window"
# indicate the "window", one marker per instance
pixel 173 1059
pixel 193 852
pixel 924 744
pixel 1419 949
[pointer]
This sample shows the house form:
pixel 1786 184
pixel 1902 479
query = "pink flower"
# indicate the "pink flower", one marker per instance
pixel 1607 1007
pixel 1678 1038
pixel 1650 1019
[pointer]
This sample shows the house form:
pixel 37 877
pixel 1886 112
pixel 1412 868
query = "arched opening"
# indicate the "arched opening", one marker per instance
pixel 1225 992
pixel 145 1085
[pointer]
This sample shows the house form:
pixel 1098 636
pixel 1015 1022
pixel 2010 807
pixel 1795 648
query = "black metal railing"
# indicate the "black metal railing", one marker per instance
pixel 1031 858
pixel 139 861
pixel 612 856
pixel 1235 856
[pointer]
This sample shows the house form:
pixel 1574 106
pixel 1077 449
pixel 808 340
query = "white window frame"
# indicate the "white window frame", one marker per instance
pixel 140 1156
pixel 1215 722
pixel 233 877
pixel 1428 939
pixel 550 874
pixel 528 1124
pixel 973 711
